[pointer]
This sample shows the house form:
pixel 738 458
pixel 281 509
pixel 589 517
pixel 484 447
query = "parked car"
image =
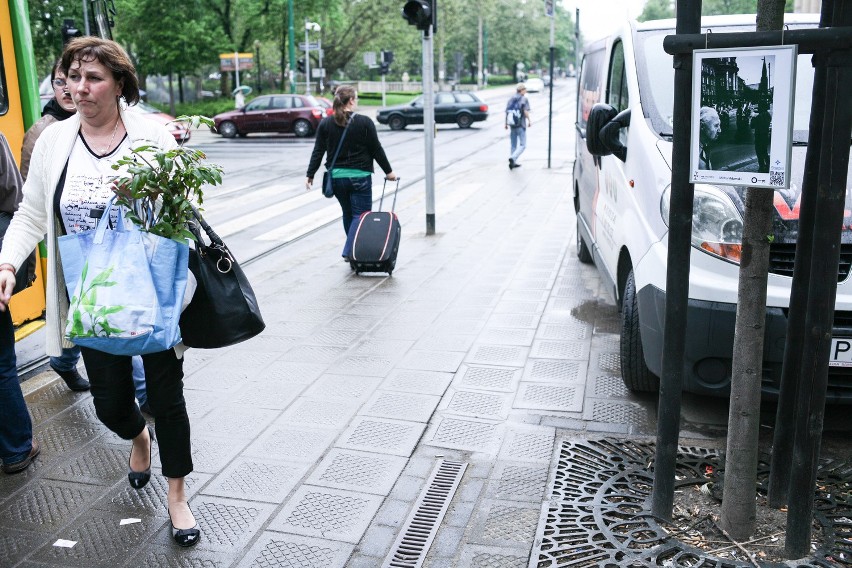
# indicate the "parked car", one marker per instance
pixel 326 104
pixel 290 114
pixel 621 191
pixel 460 107
pixel 178 129
pixel 534 85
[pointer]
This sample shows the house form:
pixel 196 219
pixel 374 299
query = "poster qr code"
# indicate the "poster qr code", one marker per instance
pixel 776 178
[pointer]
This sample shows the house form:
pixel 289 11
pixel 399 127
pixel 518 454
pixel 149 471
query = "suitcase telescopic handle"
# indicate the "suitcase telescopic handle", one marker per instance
pixel 395 191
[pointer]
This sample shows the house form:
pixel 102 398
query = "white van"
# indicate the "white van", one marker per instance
pixel 621 195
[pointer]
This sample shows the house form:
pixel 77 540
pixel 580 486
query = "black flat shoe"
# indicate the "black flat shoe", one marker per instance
pixel 139 479
pixel 185 537
pixel 73 379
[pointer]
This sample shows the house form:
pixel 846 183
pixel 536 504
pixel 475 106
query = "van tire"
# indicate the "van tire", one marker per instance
pixel 583 253
pixel 634 372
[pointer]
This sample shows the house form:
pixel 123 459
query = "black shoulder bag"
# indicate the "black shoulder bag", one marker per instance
pixel 223 310
pixel 327 188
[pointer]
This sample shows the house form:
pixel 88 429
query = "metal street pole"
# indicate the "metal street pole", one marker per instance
pixel 429 129
pixel 307 61
pixel 549 9
pixel 291 33
pixel 321 86
pixel 86 17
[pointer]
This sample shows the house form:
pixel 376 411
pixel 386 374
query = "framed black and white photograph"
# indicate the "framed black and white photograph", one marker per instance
pixel 742 116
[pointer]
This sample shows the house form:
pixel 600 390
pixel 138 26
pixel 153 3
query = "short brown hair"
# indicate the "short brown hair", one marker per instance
pixel 109 54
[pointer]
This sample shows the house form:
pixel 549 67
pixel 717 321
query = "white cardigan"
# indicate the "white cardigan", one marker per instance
pixel 35 216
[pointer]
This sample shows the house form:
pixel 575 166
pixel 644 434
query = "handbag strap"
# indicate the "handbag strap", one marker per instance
pixel 340 144
pixel 226 260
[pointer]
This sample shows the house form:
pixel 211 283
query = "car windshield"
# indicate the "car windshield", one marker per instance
pixel 657 88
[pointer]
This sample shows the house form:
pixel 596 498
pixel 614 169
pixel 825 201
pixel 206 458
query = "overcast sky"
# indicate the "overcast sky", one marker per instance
pixel 597 17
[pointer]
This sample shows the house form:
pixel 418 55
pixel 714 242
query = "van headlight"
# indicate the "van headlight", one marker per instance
pixel 717 226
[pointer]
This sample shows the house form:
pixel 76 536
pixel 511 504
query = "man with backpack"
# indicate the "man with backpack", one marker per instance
pixel 517 121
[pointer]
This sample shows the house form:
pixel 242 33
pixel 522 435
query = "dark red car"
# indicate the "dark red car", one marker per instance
pixel 289 114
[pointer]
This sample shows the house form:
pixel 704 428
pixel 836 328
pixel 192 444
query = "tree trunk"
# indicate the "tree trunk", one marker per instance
pixel 738 505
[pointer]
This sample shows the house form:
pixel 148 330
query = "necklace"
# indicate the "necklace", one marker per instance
pixel 111 139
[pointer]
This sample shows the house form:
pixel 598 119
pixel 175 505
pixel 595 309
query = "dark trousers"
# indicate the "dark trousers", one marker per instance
pixel 113 391
pixel 16 428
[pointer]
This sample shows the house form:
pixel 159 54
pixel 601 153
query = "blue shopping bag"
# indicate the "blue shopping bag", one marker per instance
pixel 126 287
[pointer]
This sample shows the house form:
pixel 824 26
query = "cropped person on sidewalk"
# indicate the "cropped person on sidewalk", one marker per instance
pixel 17 446
pixel 100 74
pixel 60 107
pixel 352 174
pixel 518 130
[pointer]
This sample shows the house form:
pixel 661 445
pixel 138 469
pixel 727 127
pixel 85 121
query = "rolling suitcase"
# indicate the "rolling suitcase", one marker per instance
pixel 375 238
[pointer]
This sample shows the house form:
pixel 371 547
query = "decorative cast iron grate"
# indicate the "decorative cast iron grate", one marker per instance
pixel 598 515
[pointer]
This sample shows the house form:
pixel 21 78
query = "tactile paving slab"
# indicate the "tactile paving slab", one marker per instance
pixel 547 396
pixel 156 555
pixel 445 342
pixel 528 444
pixel 266 394
pixel 494 406
pixel 358 471
pixel 291 551
pixel 574 330
pixel 237 422
pixel 627 413
pixel 97 464
pixel 47 505
pixel 492 557
pixel 318 412
pixel 101 540
pixel 327 513
pixel 447 361
pixel 401 405
pixel 292 372
pixel 504 523
pixel 554 370
pixel 256 479
pixel 528 321
pixel 465 434
pixel 503 379
pixel 225 524
pixel 292 443
pixel 518 482
pixel 314 353
pixel 413 380
pixel 560 349
pixel 382 435
pixel 484 354
pixel 508 336
pixel 344 387
pixel 372 365
pixel 210 454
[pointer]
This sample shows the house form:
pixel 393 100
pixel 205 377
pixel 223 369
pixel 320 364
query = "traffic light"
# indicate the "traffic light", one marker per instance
pixel 384 68
pixel 387 57
pixel 300 65
pixel 421 13
pixel 69 31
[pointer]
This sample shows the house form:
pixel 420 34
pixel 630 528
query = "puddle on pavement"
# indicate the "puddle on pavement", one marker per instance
pixel 600 314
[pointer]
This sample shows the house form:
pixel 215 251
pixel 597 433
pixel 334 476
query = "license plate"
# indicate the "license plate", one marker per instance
pixel 841 352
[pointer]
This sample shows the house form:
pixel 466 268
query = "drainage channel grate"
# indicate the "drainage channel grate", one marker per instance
pixel 419 529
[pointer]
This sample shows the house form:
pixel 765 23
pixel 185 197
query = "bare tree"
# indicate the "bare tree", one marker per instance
pixel 739 508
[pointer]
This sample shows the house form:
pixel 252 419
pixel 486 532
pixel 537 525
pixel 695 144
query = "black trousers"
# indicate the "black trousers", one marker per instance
pixel 111 377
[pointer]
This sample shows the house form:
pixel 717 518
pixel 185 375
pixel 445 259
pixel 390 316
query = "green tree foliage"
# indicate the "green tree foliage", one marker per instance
pixel 658 10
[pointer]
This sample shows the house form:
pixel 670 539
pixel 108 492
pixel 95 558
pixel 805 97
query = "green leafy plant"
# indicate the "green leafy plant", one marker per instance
pixel 161 185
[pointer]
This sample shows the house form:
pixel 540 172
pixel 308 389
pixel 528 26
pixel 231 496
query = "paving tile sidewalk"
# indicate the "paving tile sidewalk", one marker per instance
pixel 312 441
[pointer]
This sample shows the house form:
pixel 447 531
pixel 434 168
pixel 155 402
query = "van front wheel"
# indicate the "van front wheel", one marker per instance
pixel 634 372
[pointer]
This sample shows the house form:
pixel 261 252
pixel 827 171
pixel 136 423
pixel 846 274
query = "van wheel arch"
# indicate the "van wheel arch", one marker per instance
pixel 625 267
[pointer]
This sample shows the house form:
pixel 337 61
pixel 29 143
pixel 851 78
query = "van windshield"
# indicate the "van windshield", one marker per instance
pixel 657 82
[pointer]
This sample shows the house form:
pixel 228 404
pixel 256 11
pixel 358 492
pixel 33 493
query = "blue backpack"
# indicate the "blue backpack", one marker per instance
pixel 514 113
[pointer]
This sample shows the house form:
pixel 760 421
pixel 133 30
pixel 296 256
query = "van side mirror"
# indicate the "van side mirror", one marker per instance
pixel 610 134
pixel 599 116
pixel 602 131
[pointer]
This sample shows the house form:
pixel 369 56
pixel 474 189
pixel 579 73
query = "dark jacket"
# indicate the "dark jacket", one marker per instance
pixel 52 113
pixel 360 147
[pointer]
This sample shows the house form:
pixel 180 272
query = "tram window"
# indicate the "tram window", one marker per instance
pixel 4 93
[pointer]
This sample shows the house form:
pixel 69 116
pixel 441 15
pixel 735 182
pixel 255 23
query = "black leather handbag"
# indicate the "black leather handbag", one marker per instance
pixel 327 187
pixel 223 311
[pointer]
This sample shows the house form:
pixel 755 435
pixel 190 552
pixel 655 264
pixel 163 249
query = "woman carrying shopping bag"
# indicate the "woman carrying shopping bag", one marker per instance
pixel 69 184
